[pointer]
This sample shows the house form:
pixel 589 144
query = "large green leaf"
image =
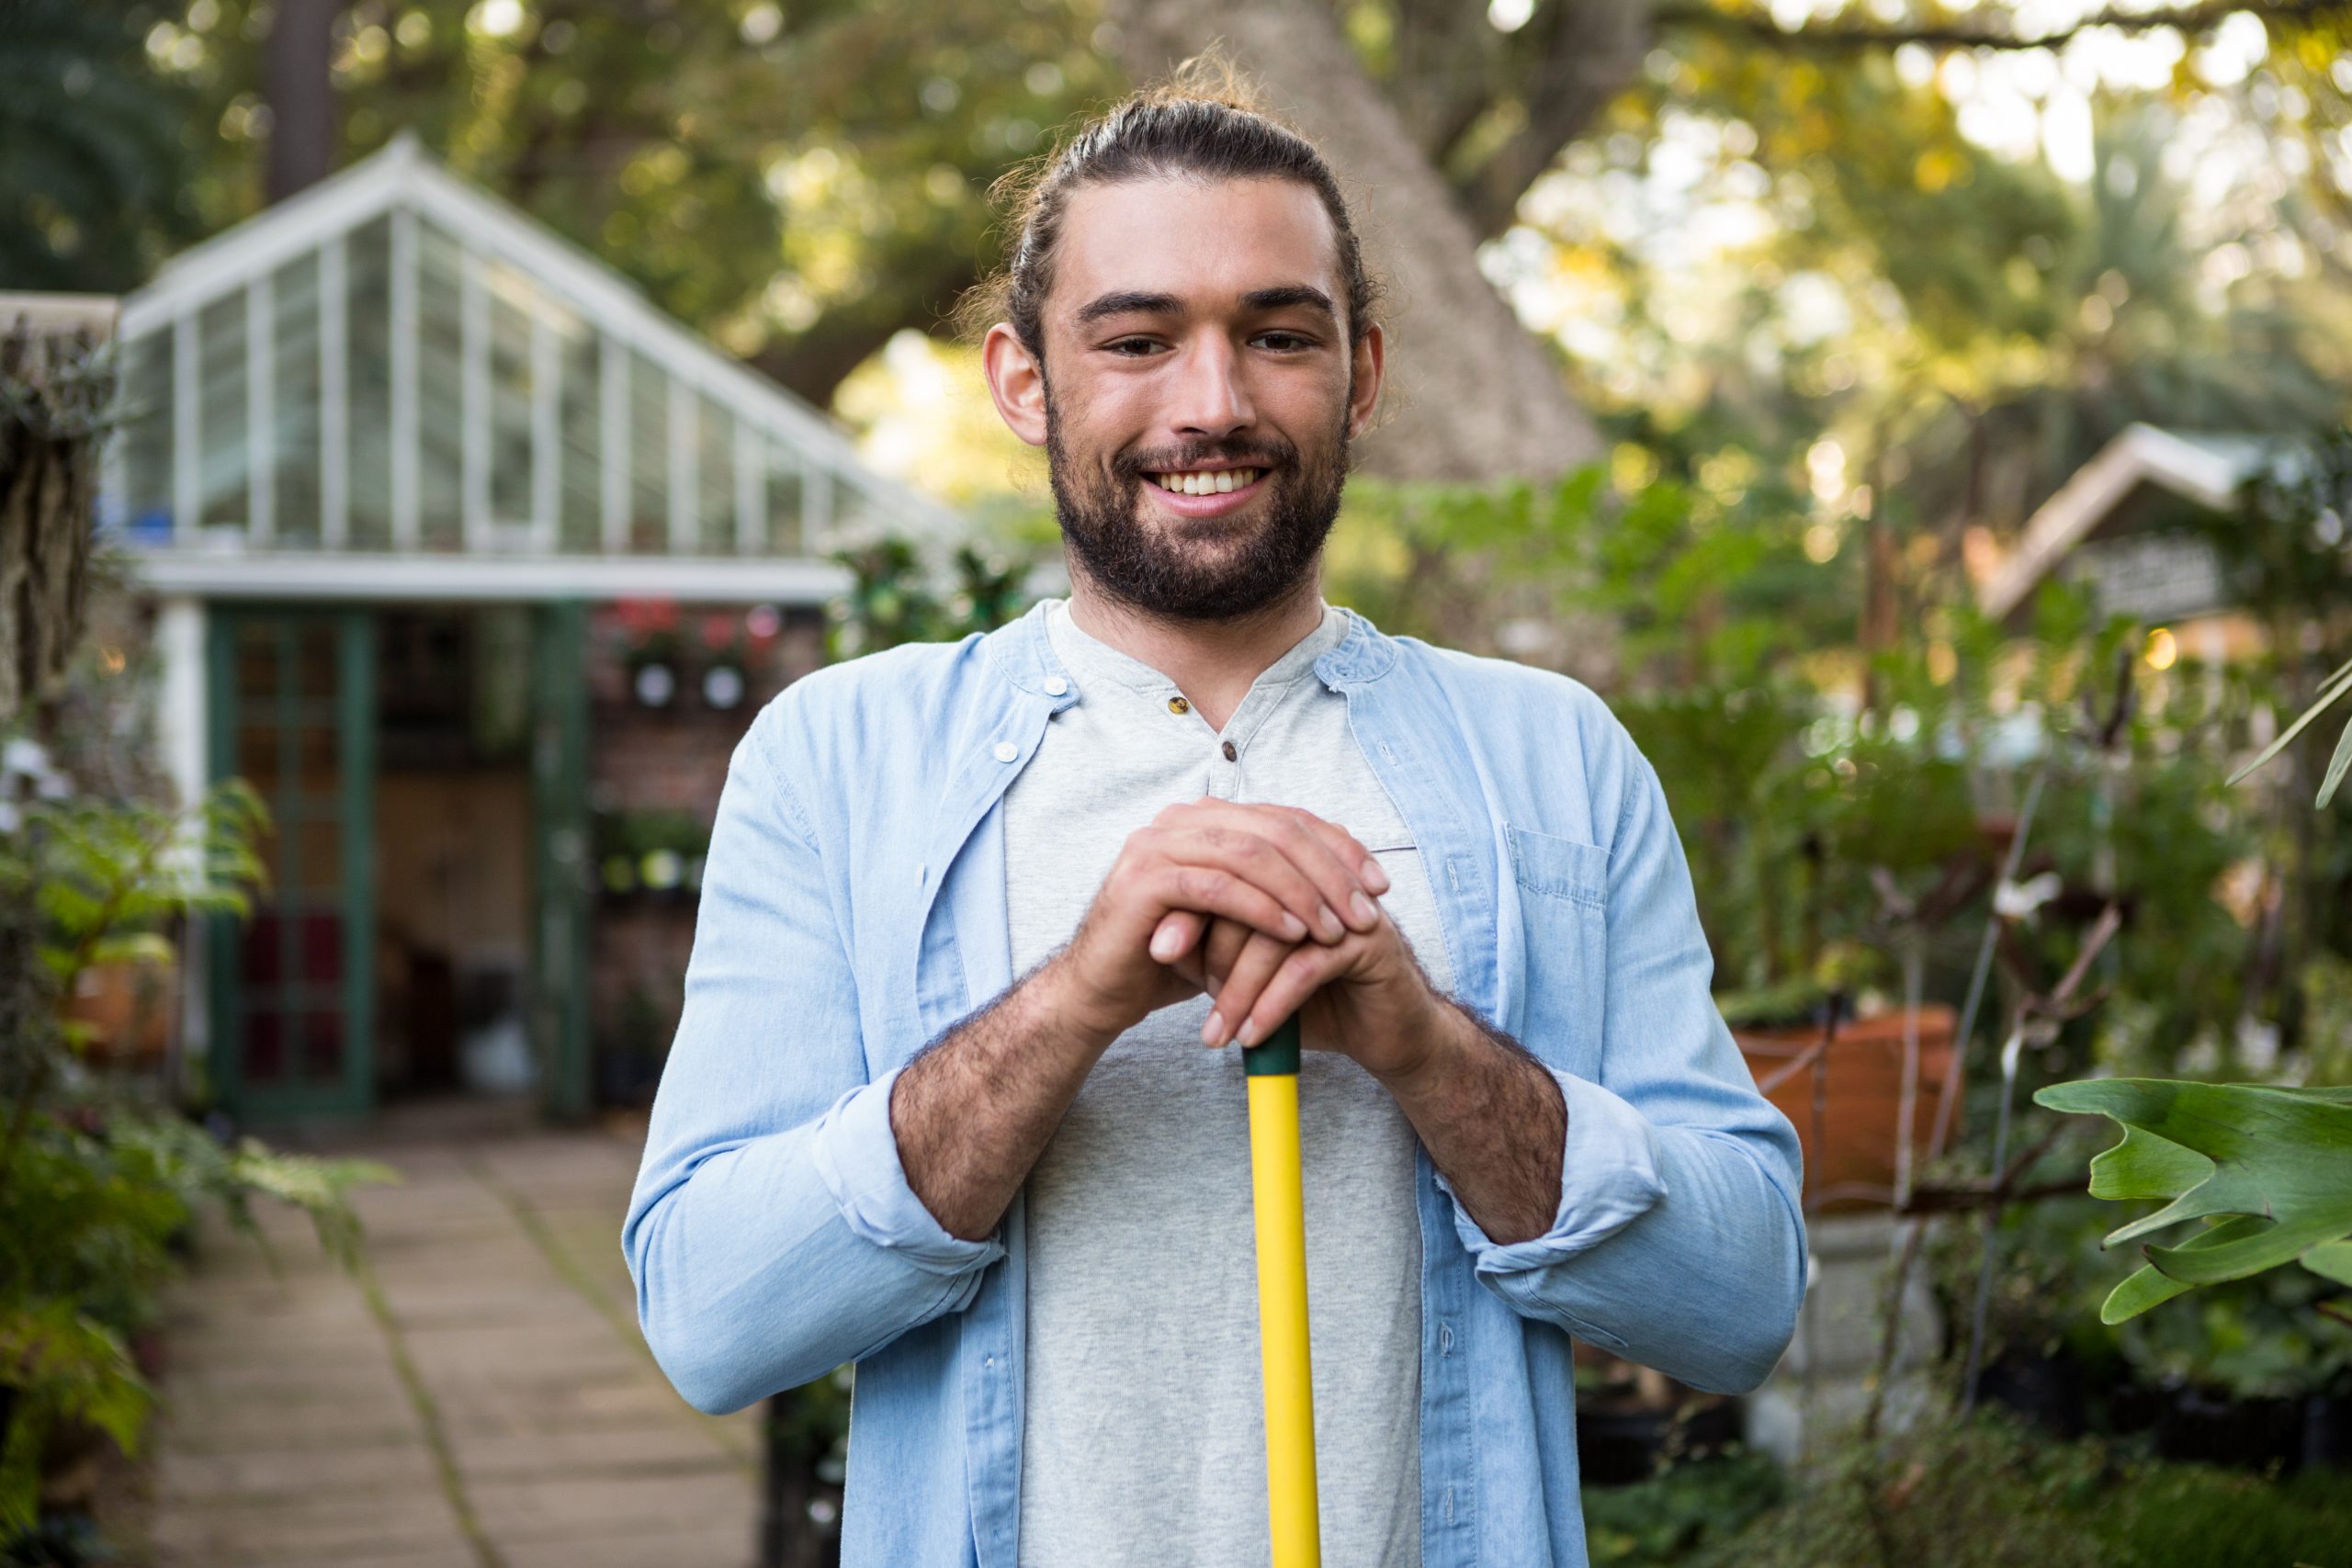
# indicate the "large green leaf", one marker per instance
pixel 2273 1167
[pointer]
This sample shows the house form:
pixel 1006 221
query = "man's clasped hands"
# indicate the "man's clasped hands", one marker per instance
pixel 1272 911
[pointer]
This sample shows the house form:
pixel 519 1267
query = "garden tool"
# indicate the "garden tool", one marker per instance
pixel 1272 1068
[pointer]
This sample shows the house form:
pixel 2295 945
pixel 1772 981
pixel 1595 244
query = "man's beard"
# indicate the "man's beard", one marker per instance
pixel 1147 570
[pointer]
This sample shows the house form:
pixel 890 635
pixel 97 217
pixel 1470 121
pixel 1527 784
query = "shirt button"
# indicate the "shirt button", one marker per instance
pixel 1055 685
pixel 1006 751
pixel 1230 754
pixel 1178 704
pixel 1446 1339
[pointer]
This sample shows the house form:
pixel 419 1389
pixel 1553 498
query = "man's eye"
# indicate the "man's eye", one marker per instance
pixel 1132 347
pixel 1288 342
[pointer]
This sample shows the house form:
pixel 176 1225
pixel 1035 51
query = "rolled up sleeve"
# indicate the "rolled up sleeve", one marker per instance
pixel 1678 1240
pixel 771 1233
pixel 856 1156
pixel 1610 1177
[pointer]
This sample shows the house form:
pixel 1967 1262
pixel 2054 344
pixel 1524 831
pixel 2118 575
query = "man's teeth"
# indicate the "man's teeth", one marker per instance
pixel 1216 483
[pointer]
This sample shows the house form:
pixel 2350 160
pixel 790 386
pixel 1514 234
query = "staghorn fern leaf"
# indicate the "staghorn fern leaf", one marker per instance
pixel 2272 1167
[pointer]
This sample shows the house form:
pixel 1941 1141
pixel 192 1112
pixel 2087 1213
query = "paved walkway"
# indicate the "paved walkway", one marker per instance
pixel 479 1398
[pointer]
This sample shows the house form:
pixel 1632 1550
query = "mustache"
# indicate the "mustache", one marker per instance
pixel 1178 460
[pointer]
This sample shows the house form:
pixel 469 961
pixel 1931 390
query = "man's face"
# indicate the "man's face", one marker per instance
pixel 1196 395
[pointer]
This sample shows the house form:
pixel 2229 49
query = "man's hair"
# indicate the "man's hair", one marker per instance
pixel 1203 123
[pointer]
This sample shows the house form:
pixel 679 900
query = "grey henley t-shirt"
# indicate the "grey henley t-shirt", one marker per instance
pixel 1144 1436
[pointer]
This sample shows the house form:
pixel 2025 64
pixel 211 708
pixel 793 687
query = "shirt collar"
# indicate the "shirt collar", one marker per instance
pixel 1024 653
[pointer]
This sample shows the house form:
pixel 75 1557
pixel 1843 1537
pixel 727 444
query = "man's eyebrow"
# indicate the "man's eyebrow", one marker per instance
pixel 1128 302
pixel 1288 295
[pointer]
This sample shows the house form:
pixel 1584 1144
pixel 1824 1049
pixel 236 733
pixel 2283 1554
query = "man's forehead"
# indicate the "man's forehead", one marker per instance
pixel 1207 245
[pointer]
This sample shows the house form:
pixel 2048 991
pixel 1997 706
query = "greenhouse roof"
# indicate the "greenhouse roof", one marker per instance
pixel 395 385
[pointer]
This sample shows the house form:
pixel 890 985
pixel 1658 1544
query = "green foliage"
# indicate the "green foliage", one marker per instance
pixel 92 160
pixel 1690 1506
pixel 893 599
pixel 102 875
pixel 97 1184
pixel 62 1365
pixel 2260 1337
pixel 798 180
pixel 96 1197
pixel 1988 1494
pixel 2266 1166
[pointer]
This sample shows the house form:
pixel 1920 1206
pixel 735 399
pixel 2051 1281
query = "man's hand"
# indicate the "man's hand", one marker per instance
pixel 1491 1116
pixel 1365 996
pixel 1276 870
pixel 972 1112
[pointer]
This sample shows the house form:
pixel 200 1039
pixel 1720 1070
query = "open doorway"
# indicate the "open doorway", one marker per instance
pixel 453 826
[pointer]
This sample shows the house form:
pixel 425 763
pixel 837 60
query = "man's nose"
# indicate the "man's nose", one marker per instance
pixel 1211 401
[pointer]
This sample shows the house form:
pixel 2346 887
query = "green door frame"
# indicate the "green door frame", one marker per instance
pixel 560 860
pixel 350 712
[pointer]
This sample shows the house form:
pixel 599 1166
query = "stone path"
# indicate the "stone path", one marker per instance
pixel 479 1398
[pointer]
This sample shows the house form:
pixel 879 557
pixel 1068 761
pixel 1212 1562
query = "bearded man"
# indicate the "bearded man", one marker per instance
pixel 953 1096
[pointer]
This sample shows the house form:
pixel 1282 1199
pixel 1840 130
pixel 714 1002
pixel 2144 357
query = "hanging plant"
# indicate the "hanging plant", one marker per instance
pixel 650 649
pixel 724 679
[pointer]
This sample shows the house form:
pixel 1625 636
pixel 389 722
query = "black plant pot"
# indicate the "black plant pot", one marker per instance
pixel 2245 1434
pixel 1617 1448
pixel 2046 1390
pixel 2327 1431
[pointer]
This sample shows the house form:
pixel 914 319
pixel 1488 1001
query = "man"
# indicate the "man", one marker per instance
pixel 952 1094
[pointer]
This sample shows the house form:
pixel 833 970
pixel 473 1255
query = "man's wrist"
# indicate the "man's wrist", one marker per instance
pixel 1061 1014
pixel 1441 1031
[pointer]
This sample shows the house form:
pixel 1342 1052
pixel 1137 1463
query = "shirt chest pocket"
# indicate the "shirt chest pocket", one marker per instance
pixel 1564 914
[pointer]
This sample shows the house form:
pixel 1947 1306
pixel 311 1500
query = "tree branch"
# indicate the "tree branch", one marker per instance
pixel 1586 54
pixel 817 361
pixel 1843 38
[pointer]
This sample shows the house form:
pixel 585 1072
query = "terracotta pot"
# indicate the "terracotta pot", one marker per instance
pixel 1855 1167
pixel 129 1007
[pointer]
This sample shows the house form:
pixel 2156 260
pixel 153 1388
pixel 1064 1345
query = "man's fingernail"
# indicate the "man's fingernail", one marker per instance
pixel 1212 1032
pixel 1248 1035
pixel 1375 876
pixel 1332 928
pixel 1293 927
pixel 1366 909
pixel 1164 945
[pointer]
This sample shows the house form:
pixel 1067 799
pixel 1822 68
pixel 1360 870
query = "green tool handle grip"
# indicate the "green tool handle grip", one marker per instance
pixel 1277 1054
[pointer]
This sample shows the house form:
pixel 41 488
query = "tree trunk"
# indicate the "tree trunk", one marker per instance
pixel 1472 395
pixel 297 82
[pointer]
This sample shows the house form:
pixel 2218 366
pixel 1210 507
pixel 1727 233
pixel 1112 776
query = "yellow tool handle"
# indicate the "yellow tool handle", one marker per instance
pixel 1282 1303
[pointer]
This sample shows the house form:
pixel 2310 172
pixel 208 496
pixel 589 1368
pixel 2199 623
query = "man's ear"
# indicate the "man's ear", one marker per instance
pixel 1016 381
pixel 1365 363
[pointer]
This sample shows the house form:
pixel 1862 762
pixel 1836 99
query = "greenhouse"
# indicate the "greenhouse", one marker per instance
pixel 396 365
pixel 475 565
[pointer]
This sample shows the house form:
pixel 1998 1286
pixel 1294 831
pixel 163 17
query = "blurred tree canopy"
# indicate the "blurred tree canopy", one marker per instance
pixel 804 181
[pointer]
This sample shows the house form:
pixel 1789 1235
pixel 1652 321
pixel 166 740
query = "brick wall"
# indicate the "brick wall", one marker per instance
pixel 671 759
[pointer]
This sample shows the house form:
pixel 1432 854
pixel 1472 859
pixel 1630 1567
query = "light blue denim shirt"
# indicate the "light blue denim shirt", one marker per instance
pixel 853 909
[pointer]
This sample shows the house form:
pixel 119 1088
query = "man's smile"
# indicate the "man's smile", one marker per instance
pixel 1205 492
pixel 1207 481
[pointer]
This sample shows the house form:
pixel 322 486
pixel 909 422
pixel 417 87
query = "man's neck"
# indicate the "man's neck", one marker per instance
pixel 1212 662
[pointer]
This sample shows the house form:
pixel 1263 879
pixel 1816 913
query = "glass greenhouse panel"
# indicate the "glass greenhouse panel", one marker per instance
pixel 440 389
pixel 649 456
pixel 294 403
pixel 715 532
pixel 220 421
pixel 785 485
pixel 367 264
pixel 580 446
pixel 144 444
pixel 511 388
